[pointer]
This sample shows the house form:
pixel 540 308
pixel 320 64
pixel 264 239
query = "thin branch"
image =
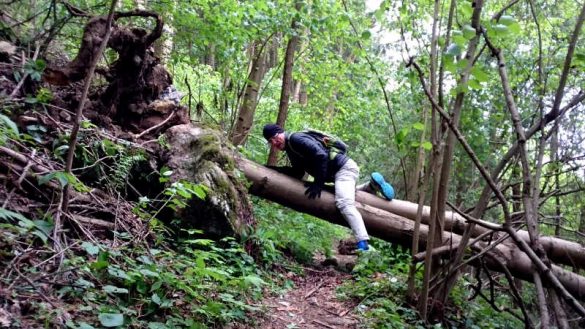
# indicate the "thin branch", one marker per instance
pixel 78 113
pixel 463 142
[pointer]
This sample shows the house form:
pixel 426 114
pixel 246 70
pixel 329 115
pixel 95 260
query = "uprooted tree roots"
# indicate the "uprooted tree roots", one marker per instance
pixel 136 79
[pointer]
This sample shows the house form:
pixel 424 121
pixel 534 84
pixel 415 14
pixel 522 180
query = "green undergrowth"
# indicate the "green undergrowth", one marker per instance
pixel 297 234
pixel 380 288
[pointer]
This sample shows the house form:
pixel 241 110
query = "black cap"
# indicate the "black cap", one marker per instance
pixel 270 130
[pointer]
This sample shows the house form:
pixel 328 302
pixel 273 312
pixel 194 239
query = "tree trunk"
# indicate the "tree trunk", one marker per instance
pixel 250 100
pixel 385 225
pixel 286 83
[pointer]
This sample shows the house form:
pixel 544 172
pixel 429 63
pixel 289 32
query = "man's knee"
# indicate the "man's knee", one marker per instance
pixel 343 204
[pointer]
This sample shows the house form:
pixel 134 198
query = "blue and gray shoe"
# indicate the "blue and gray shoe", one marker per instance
pixel 363 245
pixel 380 185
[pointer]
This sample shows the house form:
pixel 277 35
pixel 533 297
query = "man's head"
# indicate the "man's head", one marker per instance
pixel 274 134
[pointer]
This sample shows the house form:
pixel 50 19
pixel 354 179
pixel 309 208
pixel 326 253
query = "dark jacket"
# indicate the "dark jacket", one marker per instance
pixel 307 154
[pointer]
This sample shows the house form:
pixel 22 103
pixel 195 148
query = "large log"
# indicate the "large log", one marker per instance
pixel 388 226
pixel 558 250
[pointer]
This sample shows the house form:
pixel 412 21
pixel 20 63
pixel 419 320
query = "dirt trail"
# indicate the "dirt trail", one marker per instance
pixel 312 304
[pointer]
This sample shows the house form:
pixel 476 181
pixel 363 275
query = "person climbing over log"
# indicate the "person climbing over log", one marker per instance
pixel 324 158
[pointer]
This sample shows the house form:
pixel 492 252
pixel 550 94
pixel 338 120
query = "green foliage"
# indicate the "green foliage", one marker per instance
pixel 8 129
pixel 64 179
pixel 298 234
pixel 16 223
pixel 380 285
pixel 205 283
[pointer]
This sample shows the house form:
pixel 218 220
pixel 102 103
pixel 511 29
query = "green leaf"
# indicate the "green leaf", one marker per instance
pixel 427 145
pixel 10 124
pixel 401 135
pixel 111 319
pixel 453 50
pixel 501 29
pixel 459 40
pixel 156 285
pixel 468 32
pixel 90 248
pixel 462 64
pixel 418 126
pixel 507 20
pixel 199 191
pixel 480 75
pixel 99 265
pixel 474 84
pixel 118 273
pixel 84 283
pixel 86 124
pixel 149 273
pixel 155 299
pixel 515 28
pixel 254 281
pixel 145 259
pixel 114 289
pixel 84 325
pixel 366 34
pixel 6 214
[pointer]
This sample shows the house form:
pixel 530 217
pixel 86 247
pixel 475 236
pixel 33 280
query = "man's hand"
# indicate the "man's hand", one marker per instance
pixel 313 190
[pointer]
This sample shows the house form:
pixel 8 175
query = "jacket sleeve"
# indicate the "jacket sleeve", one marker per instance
pixel 313 153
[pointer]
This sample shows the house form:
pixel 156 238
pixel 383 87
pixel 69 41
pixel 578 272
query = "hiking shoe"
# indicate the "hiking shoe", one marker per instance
pixel 363 245
pixel 380 185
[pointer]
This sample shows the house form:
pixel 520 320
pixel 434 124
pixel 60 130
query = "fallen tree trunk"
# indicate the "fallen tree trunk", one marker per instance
pixel 558 250
pixel 388 226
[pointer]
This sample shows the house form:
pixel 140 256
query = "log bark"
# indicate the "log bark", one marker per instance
pixel 558 250
pixel 390 226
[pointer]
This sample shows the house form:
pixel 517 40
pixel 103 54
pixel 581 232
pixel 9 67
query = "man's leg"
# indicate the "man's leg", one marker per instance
pixel 345 181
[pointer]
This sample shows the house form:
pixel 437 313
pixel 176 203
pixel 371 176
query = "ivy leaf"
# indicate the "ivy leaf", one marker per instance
pixel 111 319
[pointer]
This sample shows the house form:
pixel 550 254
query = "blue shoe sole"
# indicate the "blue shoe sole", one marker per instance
pixel 385 188
pixel 363 245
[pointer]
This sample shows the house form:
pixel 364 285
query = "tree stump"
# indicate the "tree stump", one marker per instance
pixel 200 155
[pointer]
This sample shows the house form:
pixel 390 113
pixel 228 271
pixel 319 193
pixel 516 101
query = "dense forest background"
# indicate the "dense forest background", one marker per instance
pixel 471 107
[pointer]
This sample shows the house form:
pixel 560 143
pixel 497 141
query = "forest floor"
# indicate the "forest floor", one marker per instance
pixel 313 302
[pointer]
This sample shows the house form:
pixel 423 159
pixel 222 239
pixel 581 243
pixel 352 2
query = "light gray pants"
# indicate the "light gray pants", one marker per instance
pixel 345 187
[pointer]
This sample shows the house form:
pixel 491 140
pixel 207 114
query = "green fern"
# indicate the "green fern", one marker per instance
pixel 6 215
pixel 123 167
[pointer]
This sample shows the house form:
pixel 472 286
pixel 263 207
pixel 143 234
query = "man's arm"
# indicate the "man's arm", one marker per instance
pixel 313 153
